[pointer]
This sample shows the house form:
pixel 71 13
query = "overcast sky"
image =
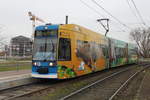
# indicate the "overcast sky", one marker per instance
pixel 14 18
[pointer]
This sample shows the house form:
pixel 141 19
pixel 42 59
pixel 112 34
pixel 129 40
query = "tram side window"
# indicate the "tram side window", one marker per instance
pixel 132 52
pixel 118 52
pixel 64 51
pixel 104 50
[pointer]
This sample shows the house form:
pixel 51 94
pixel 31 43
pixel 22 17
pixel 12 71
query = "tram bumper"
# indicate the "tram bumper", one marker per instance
pixel 48 76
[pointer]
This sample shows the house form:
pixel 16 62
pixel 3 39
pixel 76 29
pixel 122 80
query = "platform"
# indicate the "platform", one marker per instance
pixel 13 73
pixel 9 79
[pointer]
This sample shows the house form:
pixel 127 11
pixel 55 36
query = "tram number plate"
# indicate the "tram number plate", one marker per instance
pixel 42 70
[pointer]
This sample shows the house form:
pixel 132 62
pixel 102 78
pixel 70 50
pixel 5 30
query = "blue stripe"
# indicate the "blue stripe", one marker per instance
pixel 50 36
pixel 47 27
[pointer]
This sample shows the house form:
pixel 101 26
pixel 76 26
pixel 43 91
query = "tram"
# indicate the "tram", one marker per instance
pixel 69 50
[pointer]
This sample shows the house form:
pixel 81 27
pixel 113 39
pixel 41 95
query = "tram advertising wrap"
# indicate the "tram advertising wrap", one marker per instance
pixel 68 51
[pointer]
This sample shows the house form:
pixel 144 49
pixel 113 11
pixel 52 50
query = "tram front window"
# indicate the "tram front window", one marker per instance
pixel 45 48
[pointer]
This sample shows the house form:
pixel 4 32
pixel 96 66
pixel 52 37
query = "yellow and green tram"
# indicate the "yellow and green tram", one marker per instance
pixel 69 50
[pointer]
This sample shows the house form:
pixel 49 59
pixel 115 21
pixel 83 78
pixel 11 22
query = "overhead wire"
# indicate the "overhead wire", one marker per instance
pixel 134 13
pixel 114 23
pixel 96 11
pixel 110 14
pixel 138 12
pixel 91 8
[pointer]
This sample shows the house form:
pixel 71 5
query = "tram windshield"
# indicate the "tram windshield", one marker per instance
pixel 45 48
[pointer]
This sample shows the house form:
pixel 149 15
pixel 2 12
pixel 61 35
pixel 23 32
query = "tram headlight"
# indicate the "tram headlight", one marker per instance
pixel 35 63
pixel 50 64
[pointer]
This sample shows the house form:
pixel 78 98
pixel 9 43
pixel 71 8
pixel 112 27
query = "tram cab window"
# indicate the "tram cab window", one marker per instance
pixel 64 50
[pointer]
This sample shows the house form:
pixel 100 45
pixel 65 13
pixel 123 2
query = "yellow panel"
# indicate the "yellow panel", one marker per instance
pixel 75 32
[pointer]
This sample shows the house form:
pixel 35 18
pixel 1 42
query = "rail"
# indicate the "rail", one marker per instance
pixel 124 84
pixel 99 81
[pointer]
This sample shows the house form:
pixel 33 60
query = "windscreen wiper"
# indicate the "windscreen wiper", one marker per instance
pixel 45 49
pixel 53 46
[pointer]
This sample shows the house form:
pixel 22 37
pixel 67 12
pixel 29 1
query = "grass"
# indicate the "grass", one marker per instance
pixel 61 92
pixel 14 68
pixel 14 65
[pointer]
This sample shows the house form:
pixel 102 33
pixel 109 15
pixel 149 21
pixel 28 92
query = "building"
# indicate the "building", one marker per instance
pixel 20 46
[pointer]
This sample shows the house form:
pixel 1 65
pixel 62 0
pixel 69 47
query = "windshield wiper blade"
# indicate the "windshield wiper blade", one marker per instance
pixel 53 46
pixel 45 48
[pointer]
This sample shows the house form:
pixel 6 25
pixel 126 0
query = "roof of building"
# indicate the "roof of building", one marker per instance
pixel 20 38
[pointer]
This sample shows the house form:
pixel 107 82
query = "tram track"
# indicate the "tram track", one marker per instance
pixel 19 91
pixel 126 82
pixel 106 88
pixel 29 90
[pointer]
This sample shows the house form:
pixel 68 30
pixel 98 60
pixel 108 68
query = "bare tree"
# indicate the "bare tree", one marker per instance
pixel 142 38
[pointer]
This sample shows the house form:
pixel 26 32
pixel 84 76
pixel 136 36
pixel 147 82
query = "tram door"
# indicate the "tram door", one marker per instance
pixel 105 50
pixel 107 58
